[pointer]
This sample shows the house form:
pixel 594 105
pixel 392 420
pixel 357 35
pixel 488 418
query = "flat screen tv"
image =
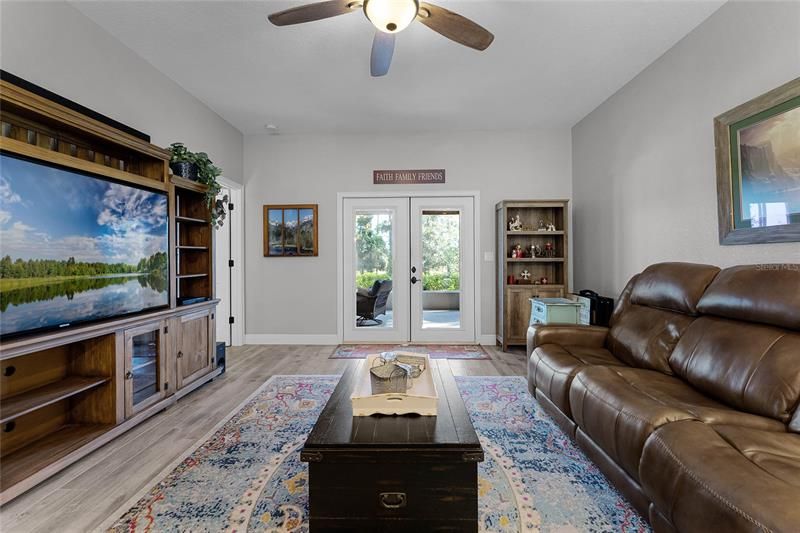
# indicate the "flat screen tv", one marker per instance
pixel 77 247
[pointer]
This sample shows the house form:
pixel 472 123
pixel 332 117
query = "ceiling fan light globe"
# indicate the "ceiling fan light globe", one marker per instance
pixel 391 16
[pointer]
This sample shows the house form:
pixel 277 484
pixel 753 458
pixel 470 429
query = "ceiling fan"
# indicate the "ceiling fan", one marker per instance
pixel 391 17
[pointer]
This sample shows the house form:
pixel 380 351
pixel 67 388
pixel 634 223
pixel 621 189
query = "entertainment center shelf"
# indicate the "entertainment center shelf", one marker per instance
pixel 189 220
pixel 67 391
pixel 30 401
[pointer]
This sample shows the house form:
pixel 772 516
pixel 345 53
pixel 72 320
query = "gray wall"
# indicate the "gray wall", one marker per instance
pixel 286 296
pixel 53 45
pixel 644 179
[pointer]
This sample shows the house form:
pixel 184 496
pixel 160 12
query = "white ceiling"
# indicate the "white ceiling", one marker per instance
pixel 551 62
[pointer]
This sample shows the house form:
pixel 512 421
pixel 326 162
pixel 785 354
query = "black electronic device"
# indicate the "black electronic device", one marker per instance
pixel 601 308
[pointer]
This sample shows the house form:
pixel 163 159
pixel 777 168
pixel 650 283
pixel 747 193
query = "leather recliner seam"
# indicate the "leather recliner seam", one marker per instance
pixel 708 489
pixel 626 413
pixel 757 365
pixel 559 372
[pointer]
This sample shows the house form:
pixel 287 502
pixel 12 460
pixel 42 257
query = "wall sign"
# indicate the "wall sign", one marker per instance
pixel 407 177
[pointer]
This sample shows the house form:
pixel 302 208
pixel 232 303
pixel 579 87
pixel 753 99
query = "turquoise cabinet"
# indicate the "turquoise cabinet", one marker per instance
pixel 555 311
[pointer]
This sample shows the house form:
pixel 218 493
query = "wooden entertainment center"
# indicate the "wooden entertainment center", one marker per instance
pixel 65 393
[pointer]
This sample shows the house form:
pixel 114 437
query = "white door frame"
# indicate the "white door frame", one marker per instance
pixel 236 220
pixel 476 195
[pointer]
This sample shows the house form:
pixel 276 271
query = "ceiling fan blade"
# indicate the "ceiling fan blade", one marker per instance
pixel 382 51
pixel 312 12
pixel 454 26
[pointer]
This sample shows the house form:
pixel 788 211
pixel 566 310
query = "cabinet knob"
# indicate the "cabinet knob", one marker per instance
pixel 180 354
pixel 128 374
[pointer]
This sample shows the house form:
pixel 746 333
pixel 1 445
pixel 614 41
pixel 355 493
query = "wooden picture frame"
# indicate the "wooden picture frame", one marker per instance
pixel 732 188
pixel 291 230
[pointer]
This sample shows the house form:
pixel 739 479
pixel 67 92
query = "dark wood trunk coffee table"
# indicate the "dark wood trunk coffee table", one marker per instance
pixel 394 473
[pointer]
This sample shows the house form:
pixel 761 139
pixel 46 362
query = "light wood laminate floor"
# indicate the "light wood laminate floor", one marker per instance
pixel 81 497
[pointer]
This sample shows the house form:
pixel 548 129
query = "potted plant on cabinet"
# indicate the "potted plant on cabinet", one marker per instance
pixel 196 166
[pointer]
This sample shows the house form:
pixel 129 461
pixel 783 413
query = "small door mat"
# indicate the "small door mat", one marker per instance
pixel 436 351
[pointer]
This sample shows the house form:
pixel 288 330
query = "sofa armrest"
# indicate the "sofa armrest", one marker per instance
pixel 592 336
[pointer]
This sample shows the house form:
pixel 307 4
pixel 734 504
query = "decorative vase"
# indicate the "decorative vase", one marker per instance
pixel 184 169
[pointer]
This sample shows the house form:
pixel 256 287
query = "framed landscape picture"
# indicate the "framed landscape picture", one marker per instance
pixel 758 168
pixel 290 230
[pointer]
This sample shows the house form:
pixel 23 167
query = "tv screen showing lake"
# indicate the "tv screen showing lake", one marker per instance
pixel 76 248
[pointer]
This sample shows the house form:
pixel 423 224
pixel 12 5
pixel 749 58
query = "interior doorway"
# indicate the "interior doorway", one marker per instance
pixel 228 263
pixel 408 269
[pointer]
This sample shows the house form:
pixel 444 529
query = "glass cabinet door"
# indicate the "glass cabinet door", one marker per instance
pixel 143 367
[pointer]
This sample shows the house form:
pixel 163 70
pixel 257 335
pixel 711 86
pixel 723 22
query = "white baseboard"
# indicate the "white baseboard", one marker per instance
pixel 487 340
pixel 289 338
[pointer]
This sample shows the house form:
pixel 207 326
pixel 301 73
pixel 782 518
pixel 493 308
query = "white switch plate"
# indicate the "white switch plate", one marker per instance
pixel 488 257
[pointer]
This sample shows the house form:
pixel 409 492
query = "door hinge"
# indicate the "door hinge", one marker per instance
pixel 230 320
pixel 166 386
pixel 166 330
pixel 230 207
pixel 230 263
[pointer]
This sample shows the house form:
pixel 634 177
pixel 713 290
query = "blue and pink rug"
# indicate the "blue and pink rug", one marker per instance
pixel 247 476
pixel 436 351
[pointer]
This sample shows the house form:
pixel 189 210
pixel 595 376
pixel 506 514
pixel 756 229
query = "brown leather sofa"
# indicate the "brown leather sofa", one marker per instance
pixel 689 402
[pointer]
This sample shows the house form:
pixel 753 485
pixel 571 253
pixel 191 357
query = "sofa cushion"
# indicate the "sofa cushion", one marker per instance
pixel 722 478
pixel 769 294
pixel 673 286
pixel 748 366
pixel 645 336
pixel 552 367
pixel 619 407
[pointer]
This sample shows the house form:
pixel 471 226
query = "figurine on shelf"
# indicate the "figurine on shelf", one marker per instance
pixel 514 224
pixel 542 227
pixel 536 250
pixel 543 281
pixel 548 249
pixel 551 227
pixel 517 252
pixel 525 275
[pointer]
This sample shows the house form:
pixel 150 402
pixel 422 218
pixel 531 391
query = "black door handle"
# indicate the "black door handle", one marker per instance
pixel 414 279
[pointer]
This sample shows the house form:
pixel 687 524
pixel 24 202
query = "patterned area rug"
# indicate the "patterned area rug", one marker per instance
pixel 436 351
pixel 247 476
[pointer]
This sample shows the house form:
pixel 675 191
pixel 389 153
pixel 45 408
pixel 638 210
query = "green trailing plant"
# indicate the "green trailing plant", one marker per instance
pixel 207 174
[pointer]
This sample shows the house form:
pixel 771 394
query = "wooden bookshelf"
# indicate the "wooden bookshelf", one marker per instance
pixel 513 291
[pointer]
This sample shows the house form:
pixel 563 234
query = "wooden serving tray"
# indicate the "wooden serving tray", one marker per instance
pixel 420 399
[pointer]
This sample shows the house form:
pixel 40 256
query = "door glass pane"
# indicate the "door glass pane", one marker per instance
pixel 441 262
pixel 373 268
pixel 145 366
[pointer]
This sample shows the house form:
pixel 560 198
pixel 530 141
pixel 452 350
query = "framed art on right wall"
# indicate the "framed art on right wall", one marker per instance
pixel 758 168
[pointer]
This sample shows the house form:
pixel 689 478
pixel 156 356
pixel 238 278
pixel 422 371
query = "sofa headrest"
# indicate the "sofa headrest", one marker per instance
pixel 769 294
pixel 673 286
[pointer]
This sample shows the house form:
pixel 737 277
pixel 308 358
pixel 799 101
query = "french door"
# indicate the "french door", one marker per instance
pixel 409 269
